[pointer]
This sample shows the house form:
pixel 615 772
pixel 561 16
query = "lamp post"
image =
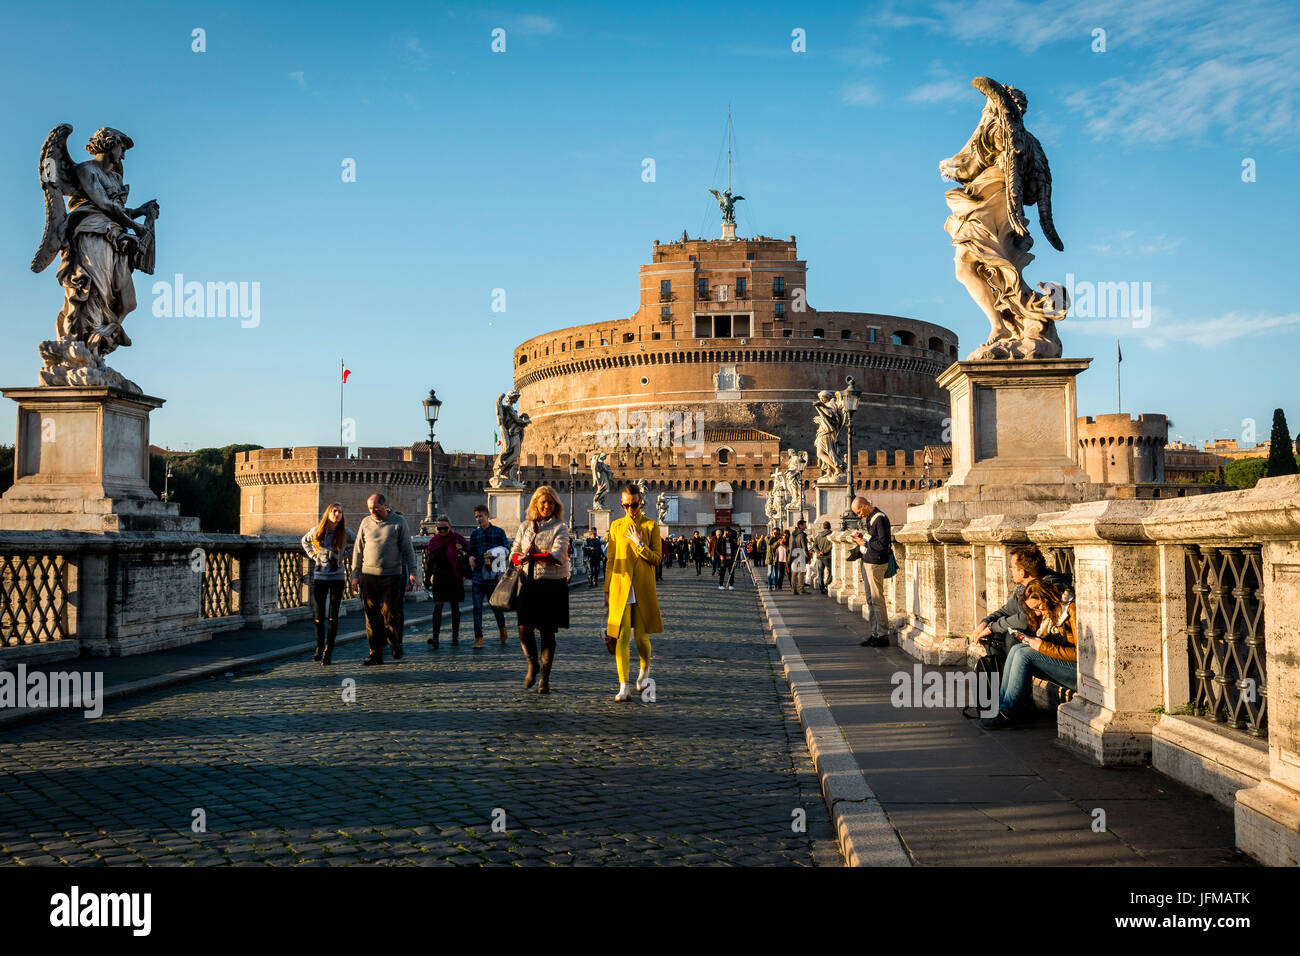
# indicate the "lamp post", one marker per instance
pixel 926 482
pixel 431 408
pixel 849 398
pixel 167 479
pixel 573 482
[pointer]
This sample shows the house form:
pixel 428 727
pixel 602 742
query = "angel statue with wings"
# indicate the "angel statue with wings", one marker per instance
pixel 100 242
pixel 829 418
pixel 510 432
pixel 1001 171
pixel 602 479
pixel 727 203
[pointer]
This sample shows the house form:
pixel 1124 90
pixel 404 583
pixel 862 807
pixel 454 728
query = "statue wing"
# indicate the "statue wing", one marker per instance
pixel 1038 188
pixel 718 196
pixel 736 199
pixel 58 177
pixel 1013 159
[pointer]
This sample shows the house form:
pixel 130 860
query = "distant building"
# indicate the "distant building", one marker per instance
pixel 1228 450
pixel 1185 462
pixel 1117 449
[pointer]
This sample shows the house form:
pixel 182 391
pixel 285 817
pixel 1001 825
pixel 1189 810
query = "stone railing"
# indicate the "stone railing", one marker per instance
pixel 62 593
pixel 1189 644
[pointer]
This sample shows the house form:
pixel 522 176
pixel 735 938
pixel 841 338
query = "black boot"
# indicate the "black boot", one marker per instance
pixel 437 626
pixel 548 657
pixel 455 626
pixel 329 642
pixel 320 640
pixel 529 644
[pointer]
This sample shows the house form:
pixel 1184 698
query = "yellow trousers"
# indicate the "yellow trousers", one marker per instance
pixel 623 651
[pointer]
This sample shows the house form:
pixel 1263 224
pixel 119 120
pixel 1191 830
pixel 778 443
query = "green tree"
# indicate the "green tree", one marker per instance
pixel 6 467
pixel 203 485
pixel 1244 472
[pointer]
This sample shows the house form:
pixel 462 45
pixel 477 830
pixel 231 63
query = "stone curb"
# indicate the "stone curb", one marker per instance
pixel 865 835
pixel 200 671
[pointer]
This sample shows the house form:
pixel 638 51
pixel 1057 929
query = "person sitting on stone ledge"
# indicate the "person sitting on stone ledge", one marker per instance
pixel 1027 564
pixel 1049 649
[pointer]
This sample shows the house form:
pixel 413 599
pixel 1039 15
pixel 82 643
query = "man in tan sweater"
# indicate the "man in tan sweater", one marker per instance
pixel 381 557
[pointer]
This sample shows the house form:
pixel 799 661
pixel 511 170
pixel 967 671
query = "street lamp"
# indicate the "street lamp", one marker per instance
pixel 431 408
pixel 849 398
pixel 573 482
pixel 927 482
pixel 167 478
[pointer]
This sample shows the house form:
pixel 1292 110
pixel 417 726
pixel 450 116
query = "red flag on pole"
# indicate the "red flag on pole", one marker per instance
pixel 346 372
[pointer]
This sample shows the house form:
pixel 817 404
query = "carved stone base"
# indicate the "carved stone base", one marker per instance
pixel 506 508
pixel 81 463
pixel 598 518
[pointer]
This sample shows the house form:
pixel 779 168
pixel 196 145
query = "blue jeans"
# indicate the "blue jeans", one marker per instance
pixel 771 575
pixel 1023 663
pixel 481 592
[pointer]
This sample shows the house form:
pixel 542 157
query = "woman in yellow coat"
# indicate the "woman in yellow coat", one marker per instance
pixel 633 606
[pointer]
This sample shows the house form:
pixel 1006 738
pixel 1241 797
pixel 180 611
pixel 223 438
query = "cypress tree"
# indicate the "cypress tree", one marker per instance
pixel 1281 461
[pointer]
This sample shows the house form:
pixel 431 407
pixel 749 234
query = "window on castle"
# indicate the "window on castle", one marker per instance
pixel 740 287
pixel 703 327
pixel 665 311
pixel 702 288
pixel 655 336
pixel 787 332
pixel 629 336
pixel 873 335
pixel 780 310
pixel 846 333
pixel 778 285
pixel 579 344
pixel 665 286
pixel 740 326
pixel 721 326
pixel 819 333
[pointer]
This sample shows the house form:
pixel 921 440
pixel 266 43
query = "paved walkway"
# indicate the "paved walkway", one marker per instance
pixel 280 769
pixel 959 795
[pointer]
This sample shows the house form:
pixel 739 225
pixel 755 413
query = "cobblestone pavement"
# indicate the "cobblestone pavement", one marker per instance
pixel 285 772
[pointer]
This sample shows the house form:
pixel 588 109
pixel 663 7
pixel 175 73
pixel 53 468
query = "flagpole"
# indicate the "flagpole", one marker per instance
pixel 341 368
pixel 1119 388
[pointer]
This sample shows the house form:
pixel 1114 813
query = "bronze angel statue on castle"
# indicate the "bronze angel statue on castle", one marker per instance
pixel 100 243
pixel 1001 170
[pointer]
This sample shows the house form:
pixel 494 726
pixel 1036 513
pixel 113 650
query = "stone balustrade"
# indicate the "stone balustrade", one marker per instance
pixel 1189 644
pixel 65 593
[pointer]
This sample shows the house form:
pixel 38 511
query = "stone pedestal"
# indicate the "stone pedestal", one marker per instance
pixel 1014 441
pixel 598 518
pixel 1014 422
pixel 830 501
pixel 81 463
pixel 506 507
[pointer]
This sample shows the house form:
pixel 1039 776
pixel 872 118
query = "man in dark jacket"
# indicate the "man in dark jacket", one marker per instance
pixel 1026 563
pixel 873 551
pixel 591 550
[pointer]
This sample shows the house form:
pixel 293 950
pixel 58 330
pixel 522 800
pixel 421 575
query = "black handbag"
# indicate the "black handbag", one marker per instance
pixel 506 596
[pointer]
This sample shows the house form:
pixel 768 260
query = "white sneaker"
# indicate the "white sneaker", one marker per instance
pixel 731 587
pixel 624 692
pixel 643 679
pixel 720 587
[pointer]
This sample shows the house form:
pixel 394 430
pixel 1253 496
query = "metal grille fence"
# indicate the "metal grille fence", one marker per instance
pixel 1225 637
pixel 220 597
pixel 33 598
pixel 291 573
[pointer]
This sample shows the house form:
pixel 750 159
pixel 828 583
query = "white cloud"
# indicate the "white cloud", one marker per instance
pixel 533 24
pixel 1202 68
pixel 1129 243
pixel 940 91
pixel 859 94
pixel 1207 333
pixel 298 78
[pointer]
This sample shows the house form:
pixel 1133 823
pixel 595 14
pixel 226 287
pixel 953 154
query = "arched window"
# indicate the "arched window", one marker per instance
pixel 724 456
pixel 936 344
pixel 904 338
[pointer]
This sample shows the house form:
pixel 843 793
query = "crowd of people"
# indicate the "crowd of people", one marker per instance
pixel 1033 634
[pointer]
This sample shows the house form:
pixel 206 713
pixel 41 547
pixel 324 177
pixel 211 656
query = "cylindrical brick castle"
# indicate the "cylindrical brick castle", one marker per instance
pixel 724 337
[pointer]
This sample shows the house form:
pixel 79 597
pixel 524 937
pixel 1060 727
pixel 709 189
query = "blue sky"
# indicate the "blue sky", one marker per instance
pixel 521 170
